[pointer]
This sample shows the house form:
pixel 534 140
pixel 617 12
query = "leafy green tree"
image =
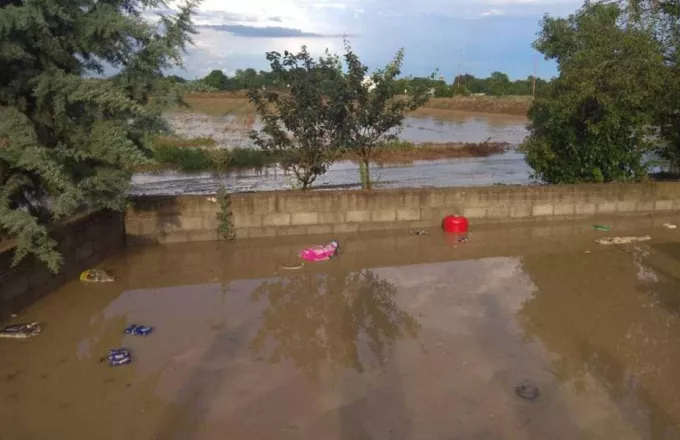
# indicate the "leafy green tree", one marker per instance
pixel 592 123
pixel 216 79
pixel 375 115
pixel 498 84
pixel 69 140
pixel 302 124
pixel 662 17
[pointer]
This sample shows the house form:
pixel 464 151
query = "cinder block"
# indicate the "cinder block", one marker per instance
pixel 497 212
pixel 606 207
pixel 264 232
pixel 18 285
pixel 542 210
pixel 408 214
pixel 277 219
pixel 625 206
pixel 202 235
pixel 663 205
pixel 343 228
pixel 644 206
pixel 586 208
pixel 384 215
pixel 520 211
pixel 474 212
pixel 319 229
pixel 190 223
pixel 287 231
pixel 304 218
pixel 247 220
pixel 174 237
pixel 331 218
pixel 358 216
pixel 84 251
pixel 564 209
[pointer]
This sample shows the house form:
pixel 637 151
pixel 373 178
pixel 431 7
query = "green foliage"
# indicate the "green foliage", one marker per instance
pixel 216 79
pixel 374 115
pixel 225 224
pixel 190 159
pixel 302 125
pixel 69 140
pixel 592 123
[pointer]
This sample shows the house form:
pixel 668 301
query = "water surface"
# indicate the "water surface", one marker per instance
pixel 401 337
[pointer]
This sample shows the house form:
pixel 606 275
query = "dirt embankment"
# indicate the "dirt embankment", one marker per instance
pixel 441 108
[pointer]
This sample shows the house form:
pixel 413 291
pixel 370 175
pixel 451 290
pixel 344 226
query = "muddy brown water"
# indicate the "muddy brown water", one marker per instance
pixel 400 337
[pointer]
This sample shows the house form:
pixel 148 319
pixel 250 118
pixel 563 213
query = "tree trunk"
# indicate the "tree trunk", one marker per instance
pixel 367 170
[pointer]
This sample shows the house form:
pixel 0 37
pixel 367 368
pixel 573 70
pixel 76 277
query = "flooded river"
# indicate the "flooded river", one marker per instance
pixel 400 337
pixel 508 168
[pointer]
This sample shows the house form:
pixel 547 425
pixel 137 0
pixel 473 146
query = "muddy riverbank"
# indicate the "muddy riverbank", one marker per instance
pixel 422 349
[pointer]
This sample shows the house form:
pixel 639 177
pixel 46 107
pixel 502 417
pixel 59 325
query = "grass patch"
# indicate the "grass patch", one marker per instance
pixel 199 154
pixel 402 152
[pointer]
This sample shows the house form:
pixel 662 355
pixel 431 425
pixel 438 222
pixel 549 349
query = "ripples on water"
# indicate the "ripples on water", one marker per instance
pixel 507 168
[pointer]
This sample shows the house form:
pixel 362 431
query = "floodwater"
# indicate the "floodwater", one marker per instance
pixel 228 131
pixel 508 168
pixel 400 337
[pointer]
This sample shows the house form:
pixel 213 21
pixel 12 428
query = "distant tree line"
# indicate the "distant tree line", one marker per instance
pixel 497 84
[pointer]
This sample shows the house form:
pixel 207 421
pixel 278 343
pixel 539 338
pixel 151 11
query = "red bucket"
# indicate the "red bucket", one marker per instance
pixel 455 223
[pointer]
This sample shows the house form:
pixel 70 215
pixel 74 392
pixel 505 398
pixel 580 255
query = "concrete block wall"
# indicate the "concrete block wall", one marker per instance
pixel 276 214
pixel 84 241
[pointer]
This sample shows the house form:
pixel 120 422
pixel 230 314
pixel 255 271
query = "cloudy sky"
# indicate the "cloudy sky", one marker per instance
pixel 476 36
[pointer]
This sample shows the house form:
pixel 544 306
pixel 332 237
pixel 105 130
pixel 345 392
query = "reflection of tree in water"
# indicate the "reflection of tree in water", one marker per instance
pixel 609 322
pixel 314 318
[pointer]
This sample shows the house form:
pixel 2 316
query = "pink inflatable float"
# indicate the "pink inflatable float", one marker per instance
pixel 320 253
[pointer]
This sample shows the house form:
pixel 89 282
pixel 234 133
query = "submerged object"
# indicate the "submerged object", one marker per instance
pixel 527 391
pixel 418 232
pixel 456 224
pixel 118 356
pixel 139 330
pixel 320 253
pixel 621 240
pixel 21 331
pixel 96 276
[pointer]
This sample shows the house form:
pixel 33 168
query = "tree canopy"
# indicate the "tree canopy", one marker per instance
pixel 68 139
pixel 593 123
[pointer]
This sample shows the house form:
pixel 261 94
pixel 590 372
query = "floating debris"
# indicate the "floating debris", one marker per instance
pixel 601 227
pixel 527 391
pixel 292 266
pixel 118 356
pixel 321 253
pixel 21 331
pixel 418 232
pixel 139 330
pixel 463 239
pixel 669 226
pixel 621 240
pixel 96 276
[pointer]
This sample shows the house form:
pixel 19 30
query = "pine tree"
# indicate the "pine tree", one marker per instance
pixel 69 138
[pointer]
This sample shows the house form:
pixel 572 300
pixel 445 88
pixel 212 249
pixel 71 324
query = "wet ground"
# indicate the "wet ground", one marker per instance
pixel 400 337
pixel 508 168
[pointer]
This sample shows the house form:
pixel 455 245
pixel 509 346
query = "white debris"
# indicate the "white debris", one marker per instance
pixel 669 226
pixel 621 240
pixel 212 199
